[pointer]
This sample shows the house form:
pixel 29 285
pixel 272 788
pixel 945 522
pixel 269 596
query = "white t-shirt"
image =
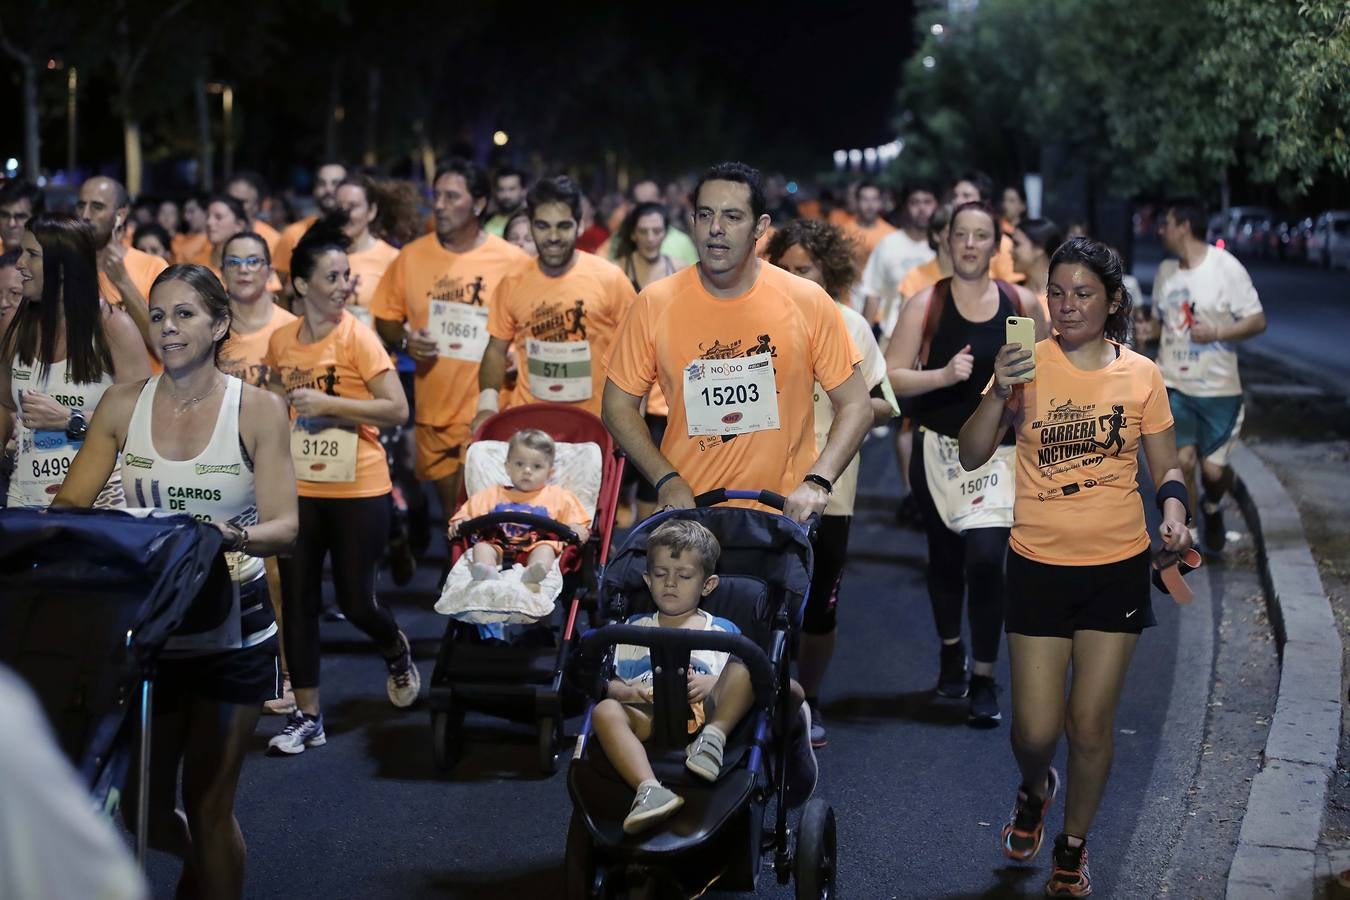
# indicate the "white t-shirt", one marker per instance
pixel 888 265
pixel 873 370
pixel 1218 292
pixel 52 843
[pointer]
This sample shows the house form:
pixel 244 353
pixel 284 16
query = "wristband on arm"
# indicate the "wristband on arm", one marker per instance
pixel 1173 490
pixel 488 400
pixel 666 477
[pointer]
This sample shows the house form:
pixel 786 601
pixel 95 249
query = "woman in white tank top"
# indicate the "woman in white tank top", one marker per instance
pixel 62 350
pixel 201 442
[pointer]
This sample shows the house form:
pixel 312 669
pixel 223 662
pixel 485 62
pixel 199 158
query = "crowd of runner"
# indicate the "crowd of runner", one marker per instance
pixel 311 388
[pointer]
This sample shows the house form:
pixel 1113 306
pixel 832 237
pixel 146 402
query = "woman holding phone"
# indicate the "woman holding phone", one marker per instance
pixel 953 330
pixel 1078 571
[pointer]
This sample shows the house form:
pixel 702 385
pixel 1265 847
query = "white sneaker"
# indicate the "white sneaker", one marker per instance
pixel 301 731
pixel 404 682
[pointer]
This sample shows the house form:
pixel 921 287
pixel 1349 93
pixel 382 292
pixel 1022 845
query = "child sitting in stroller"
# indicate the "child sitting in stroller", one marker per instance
pixel 681 558
pixel 529 465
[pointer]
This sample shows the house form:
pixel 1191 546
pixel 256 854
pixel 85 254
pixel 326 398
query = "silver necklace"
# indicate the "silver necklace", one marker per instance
pixel 184 406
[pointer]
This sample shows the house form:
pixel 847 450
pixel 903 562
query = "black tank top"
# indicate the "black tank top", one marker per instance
pixel 947 409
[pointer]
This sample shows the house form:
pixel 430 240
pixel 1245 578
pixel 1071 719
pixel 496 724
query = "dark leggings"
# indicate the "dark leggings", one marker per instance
pixel 831 552
pixel 956 562
pixel 352 532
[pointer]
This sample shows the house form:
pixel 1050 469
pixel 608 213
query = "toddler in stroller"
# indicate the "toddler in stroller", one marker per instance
pixel 699 815
pixel 681 559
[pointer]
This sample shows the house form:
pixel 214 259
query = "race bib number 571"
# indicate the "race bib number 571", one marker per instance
pixel 731 396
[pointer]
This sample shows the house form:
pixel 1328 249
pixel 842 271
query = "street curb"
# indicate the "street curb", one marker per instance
pixel 1275 854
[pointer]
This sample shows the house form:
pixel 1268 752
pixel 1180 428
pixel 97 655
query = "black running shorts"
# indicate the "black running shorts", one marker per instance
pixel 1055 601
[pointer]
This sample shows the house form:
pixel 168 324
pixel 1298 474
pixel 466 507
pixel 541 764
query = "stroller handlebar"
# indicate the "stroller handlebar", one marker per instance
pixel 544 524
pixel 770 499
pixel 594 642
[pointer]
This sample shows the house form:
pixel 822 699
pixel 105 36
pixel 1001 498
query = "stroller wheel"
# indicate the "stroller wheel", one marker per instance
pixel 815 863
pixel 583 881
pixel 446 738
pixel 548 745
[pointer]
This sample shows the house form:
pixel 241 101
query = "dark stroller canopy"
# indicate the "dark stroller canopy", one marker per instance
pixel 761 544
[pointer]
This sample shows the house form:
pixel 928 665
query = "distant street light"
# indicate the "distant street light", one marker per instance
pixel 840 159
pixel 855 158
pixel 936 29
pixel 929 62
pixel 500 138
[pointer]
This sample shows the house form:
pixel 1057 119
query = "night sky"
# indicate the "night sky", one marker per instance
pixel 780 84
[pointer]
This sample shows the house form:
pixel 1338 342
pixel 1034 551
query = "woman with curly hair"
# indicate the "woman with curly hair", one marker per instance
pixel 820 252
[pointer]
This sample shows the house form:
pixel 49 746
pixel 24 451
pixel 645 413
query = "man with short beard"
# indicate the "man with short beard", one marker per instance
pixel 558 314
pixel 326 180
pixel 508 193
pixel 125 274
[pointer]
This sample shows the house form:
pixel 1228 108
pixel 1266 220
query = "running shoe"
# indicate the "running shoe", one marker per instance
pixel 405 682
pixel 703 756
pixel 818 738
pixel 301 731
pixel 1070 876
pixel 984 711
pixel 402 563
pixel 653 804
pixel 1215 535
pixel 802 768
pixel 953 681
pixel 1025 831
pixel 283 705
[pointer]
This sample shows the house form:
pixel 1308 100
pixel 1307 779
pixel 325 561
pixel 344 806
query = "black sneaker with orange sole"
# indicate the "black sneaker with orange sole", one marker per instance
pixel 1025 831
pixel 1070 876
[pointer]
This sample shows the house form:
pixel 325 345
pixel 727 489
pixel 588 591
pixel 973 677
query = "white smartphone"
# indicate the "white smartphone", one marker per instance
pixel 1022 330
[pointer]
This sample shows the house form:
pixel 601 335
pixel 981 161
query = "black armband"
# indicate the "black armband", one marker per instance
pixel 1174 490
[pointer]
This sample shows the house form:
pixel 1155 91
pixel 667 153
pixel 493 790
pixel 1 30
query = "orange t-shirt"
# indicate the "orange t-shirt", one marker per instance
pixel 920 277
pixel 447 391
pixel 188 247
pixel 143 270
pixel 368 267
pixel 1078 434
pixel 676 321
pixel 585 303
pixel 267 233
pixel 242 354
pixel 551 500
pixel 342 364
pixel 868 238
pixel 290 236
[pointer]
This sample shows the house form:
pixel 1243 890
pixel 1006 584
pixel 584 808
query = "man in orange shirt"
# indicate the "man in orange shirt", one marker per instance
pixel 250 189
pixel 326 180
pixel 976 187
pixel 124 273
pixel 866 230
pixel 435 298
pixel 558 314
pixel 737 345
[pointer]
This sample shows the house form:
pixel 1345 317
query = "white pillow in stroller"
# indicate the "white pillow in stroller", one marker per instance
pixel 501 600
pixel 576 467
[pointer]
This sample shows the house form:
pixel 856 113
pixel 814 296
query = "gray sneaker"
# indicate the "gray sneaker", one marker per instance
pixel 818 738
pixel 703 757
pixel 404 682
pixel 802 769
pixel 301 731
pixel 652 805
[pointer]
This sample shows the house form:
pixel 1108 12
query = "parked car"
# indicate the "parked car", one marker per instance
pixel 1329 240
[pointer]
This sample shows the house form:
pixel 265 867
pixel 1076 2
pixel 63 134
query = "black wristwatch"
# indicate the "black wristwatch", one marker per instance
pixel 819 481
pixel 78 426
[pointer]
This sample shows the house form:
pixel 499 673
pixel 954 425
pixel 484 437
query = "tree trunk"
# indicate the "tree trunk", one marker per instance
pixel 72 119
pixel 131 138
pixel 371 155
pixel 32 140
pixel 205 149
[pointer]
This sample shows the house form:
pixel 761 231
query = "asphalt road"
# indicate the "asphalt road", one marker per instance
pixel 919 796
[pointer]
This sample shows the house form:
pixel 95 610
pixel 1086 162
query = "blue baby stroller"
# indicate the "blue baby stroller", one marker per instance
pixel 87 600
pixel 718 835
